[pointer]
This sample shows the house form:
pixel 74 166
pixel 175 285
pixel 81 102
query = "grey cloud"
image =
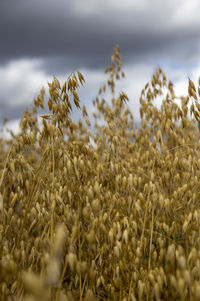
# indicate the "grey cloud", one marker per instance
pixel 81 34
pixel 7 111
pixel 56 31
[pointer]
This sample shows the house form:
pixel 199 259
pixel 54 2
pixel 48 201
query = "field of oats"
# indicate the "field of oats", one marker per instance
pixel 116 219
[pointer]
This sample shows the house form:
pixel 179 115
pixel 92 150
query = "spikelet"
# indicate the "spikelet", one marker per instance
pixel 81 78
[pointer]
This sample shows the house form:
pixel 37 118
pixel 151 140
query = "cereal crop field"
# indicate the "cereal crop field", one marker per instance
pixel 116 219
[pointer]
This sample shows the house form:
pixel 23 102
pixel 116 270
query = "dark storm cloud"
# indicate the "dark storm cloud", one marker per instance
pixel 35 29
pixel 67 37
pixel 42 38
pixel 7 111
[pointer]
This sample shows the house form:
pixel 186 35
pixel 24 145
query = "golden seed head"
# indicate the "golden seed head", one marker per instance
pixel 80 205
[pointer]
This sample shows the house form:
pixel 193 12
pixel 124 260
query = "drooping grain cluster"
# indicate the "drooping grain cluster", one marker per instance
pixel 115 220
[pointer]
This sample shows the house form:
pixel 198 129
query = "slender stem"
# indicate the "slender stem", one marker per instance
pixel 29 202
pixel 79 251
pixel 145 217
pixel 152 220
pixel 4 169
pixel 53 159
pixel 61 278
pixel 53 154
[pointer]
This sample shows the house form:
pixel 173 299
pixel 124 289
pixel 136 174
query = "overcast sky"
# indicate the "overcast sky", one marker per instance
pixel 40 39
